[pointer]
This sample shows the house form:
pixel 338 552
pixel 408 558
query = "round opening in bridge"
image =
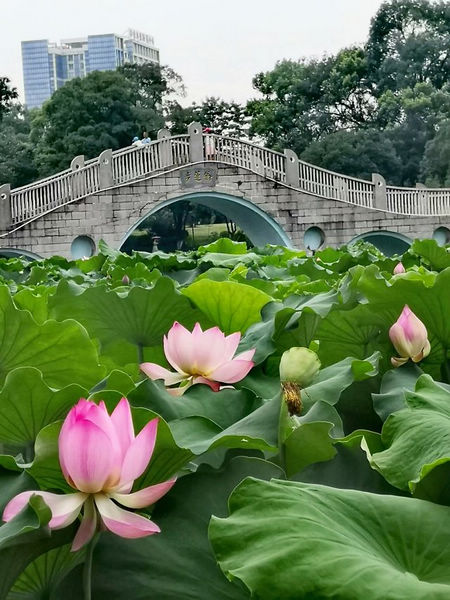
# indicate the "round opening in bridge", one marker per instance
pixel 314 238
pixel 82 247
pixel 442 235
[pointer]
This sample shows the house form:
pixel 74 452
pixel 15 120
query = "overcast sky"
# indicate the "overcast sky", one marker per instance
pixel 217 47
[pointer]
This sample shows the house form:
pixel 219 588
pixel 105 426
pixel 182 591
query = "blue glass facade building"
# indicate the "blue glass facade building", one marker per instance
pixel 47 67
pixel 37 72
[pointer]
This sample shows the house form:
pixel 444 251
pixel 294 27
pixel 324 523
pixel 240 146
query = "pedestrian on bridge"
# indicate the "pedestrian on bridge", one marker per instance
pixel 210 146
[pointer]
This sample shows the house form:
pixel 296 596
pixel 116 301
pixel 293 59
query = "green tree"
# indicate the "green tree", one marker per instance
pixel 224 118
pixel 304 100
pixel 178 117
pixel 435 166
pixel 7 95
pixel 409 43
pixel 152 84
pixel 357 153
pixel 103 110
pixel 398 82
pixel 411 117
pixel 16 151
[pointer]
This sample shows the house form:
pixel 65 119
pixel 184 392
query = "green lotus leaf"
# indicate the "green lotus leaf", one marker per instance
pixel 417 438
pixel 27 404
pixel 258 430
pixel 332 380
pixel 26 536
pixel 434 255
pixel 42 577
pixel 231 306
pixel 364 329
pixel 62 351
pixel 178 563
pixel 289 540
pixel 225 246
pixel 126 323
pixel 224 408
pixel 350 467
pixel 393 389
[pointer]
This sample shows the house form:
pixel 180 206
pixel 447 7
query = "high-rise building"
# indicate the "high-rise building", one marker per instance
pixel 47 66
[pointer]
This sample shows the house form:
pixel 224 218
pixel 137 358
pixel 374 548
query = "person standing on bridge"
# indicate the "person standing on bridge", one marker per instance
pixel 210 146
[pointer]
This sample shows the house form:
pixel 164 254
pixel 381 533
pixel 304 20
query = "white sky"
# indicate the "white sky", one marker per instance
pixel 217 47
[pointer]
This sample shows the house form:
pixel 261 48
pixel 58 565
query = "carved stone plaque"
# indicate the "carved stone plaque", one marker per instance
pixel 198 177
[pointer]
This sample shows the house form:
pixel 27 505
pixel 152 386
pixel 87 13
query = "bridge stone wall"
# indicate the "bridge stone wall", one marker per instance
pixel 111 213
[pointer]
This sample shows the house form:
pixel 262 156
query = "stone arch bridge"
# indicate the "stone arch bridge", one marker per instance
pixel 273 197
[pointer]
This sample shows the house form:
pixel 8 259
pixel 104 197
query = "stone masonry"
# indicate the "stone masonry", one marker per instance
pixel 111 213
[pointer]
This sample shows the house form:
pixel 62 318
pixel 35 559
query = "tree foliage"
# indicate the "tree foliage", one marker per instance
pixel 224 118
pixel 7 96
pixel 435 166
pixel 16 151
pixel 307 99
pixel 358 153
pixel 397 83
pixel 409 43
pixel 383 105
pixel 103 110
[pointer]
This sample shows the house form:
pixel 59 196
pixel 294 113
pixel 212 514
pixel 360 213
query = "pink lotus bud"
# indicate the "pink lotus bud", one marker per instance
pixel 409 337
pixel 125 280
pixel 100 457
pixel 200 357
pixel 399 268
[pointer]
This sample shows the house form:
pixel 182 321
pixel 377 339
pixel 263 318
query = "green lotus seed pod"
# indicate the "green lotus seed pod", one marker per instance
pixel 299 365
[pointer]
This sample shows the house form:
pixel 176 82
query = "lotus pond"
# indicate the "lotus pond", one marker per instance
pixel 197 467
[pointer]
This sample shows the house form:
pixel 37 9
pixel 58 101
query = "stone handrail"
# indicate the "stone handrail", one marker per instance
pixel 110 169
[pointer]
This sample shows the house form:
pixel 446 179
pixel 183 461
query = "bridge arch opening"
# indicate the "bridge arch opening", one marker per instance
pixel 388 242
pixel 257 225
pixel 18 253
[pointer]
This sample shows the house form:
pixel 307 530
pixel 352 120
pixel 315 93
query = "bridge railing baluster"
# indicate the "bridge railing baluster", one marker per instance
pixel 31 201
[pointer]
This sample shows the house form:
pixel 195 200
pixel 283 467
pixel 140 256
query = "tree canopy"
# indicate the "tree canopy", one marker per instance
pixel 409 43
pixel 358 153
pixel 224 118
pixel 383 105
pixel 396 83
pixel 16 151
pixel 7 96
pixel 106 109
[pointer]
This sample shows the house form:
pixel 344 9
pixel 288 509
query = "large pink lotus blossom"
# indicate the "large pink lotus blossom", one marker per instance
pixel 101 457
pixel 200 357
pixel 399 268
pixel 409 337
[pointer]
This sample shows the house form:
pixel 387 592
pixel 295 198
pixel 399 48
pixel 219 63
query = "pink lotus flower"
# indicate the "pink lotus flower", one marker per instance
pixel 409 337
pixel 399 268
pixel 200 357
pixel 101 457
